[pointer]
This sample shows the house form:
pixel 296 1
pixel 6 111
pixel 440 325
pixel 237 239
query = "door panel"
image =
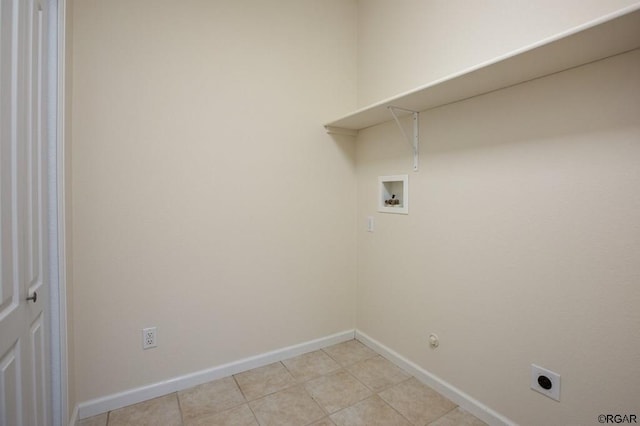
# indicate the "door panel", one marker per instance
pixel 34 149
pixel 24 338
pixel 10 392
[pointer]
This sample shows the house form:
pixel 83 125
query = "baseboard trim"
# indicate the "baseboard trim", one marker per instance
pixel 134 396
pixel 465 401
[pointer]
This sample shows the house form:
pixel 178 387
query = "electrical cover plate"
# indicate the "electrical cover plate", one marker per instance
pixel 545 381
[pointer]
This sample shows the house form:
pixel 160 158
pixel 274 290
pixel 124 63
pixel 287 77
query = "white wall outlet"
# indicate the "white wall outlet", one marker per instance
pixel 370 224
pixel 545 381
pixel 149 337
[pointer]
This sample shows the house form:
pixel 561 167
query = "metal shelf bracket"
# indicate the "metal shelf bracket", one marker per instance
pixel 414 141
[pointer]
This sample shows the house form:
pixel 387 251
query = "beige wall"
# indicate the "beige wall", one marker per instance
pixel 207 199
pixel 521 243
pixel 404 44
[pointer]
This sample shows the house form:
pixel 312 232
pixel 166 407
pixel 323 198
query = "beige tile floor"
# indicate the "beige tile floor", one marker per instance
pixel 346 384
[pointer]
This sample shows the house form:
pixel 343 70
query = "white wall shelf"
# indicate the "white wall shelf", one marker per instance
pixel 605 37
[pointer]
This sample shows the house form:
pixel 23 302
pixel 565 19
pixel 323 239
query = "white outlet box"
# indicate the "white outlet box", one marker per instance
pixel 545 381
pixel 149 337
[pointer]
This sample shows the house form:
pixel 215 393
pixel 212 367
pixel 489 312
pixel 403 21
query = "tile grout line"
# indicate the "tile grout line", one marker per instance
pixel 246 400
pixel 386 388
pixel 313 398
pixel 445 414
pixel 394 409
pixel 180 409
pixel 216 412
pixel 253 413
pixel 341 368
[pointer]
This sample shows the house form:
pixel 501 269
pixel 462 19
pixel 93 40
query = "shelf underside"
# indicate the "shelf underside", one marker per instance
pixel 591 42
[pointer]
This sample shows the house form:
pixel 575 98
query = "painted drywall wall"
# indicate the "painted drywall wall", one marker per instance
pixel 408 43
pixel 521 246
pixel 207 199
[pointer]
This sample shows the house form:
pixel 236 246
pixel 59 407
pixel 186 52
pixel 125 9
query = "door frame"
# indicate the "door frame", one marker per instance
pixel 56 119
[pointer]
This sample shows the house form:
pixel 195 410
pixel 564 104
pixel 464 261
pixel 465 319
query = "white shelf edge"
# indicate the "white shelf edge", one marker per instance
pixel 626 37
pixel 340 131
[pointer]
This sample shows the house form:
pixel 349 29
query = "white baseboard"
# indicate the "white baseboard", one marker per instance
pixel 465 401
pixel 133 396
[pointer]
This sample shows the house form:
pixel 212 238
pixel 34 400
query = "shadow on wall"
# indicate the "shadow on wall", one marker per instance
pixel 574 102
pixel 347 147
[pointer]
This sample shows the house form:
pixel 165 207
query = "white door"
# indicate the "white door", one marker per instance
pixel 24 324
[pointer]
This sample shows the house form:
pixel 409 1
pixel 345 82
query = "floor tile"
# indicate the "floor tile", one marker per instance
pixel 349 352
pixel 324 422
pixel 310 365
pixel 458 417
pixel 343 385
pixel 378 373
pixel 373 411
pixel 238 416
pixel 160 411
pixel 417 402
pixel 265 380
pixel 100 420
pixel 337 391
pixel 292 407
pixel 210 398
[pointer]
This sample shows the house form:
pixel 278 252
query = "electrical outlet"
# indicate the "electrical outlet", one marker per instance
pixel 149 336
pixel 545 381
